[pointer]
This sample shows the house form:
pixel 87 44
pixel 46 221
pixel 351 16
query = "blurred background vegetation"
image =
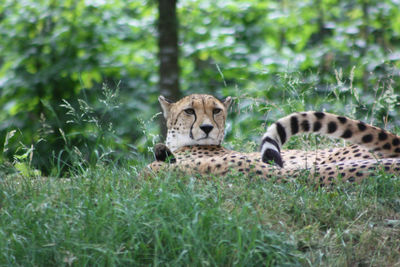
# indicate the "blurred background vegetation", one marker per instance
pixel 79 80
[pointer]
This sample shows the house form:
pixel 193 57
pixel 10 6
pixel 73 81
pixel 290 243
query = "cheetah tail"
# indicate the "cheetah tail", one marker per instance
pixel 376 139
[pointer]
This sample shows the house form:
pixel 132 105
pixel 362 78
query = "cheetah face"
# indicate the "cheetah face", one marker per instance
pixel 195 120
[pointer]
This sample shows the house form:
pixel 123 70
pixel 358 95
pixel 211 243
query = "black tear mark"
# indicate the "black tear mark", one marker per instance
pixel 191 127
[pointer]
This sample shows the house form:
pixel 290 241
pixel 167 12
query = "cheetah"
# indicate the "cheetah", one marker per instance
pixel 196 128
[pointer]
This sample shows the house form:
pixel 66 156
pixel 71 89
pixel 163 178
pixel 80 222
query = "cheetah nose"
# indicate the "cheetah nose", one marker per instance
pixel 206 128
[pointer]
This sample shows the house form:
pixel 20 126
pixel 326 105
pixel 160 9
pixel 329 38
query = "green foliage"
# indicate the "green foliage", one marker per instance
pixel 256 40
pixel 54 52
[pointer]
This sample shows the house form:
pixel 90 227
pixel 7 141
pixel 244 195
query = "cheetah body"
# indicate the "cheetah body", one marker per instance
pixel 196 126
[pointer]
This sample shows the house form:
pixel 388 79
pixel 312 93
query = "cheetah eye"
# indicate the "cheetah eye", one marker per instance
pixel 189 111
pixel 216 110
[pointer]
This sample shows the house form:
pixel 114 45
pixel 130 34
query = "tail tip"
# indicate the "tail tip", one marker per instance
pixel 271 155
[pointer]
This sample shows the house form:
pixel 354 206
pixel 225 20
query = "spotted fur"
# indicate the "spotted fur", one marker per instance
pixel 196 126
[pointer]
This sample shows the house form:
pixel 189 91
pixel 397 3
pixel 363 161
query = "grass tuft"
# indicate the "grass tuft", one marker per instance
pixel 110 216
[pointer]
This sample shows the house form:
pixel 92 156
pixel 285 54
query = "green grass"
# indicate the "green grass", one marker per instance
pixel 110 216
pixel 105 214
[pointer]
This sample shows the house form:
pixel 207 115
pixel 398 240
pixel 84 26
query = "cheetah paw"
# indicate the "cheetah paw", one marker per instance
pixel 163 153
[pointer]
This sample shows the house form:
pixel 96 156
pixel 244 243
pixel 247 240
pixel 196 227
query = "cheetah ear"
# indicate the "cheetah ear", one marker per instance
pixel 165 105
pixel 227 102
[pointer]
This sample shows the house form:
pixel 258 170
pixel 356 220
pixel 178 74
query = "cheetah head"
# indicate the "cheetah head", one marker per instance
pixel 195 120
